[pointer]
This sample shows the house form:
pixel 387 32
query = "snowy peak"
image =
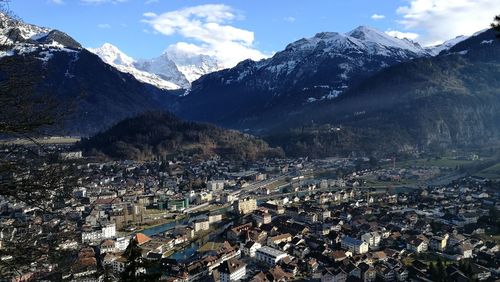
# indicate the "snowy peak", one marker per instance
pixel 14 31
pixel 174 69
pixel 435 50
pixel 193 66
pixel 112 55
pixel 372 35
pixel 362 38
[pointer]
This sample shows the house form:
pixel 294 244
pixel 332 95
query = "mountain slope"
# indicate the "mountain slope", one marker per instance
pixel 307 71
pixel 438 103
pixel 159 135
pixel 90 94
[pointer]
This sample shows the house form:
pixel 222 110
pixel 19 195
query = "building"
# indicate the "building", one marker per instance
pixel 108 231
pixel 372 239
pixel 261 217
pixel 178 204
pixel 269 255
pixel 250 248
pixel 276 240
pixel 121 243
pixel 417 245
pixel 215 217
pixel 354 245
pixel 204 197
pixel 70 155
pixel 438 243
pixel 245 206
pixel 333 275
pixel 201 224
pixel 215 185
pixel 232 270
pixel 118 264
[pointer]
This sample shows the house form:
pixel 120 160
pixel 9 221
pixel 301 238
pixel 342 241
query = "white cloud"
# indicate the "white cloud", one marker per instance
pixel 402 35
pixel 104 26
pixel 57 2
pixel 289 19
pixel 151 2
pixel 208 26
pixel 440 20
pixel 377 17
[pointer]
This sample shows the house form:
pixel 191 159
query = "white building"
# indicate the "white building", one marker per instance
pixel 269 255
pixel 215 185
pixel 108 230
pixel 121 243
pixel 372 239
pixel 232 270
pixel 201 224
pixel 250 248
pixel 354 245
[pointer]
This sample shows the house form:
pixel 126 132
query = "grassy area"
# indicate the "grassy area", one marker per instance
pixel 48 140
pixel 277 184
pixel 443 162
pixel 379 183
pixel 492 172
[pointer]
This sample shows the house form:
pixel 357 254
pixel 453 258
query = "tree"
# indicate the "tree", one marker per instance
pixel 496 25
pixel 136 266
pixel 32 178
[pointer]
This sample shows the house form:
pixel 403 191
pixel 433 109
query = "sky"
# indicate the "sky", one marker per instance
pixel 236 30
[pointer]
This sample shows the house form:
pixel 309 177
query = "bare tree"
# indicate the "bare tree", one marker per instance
pixel 33 181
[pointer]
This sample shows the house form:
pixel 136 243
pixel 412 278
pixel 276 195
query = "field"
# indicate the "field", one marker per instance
pixel 45 141
pixel 443 162
pixel 492 172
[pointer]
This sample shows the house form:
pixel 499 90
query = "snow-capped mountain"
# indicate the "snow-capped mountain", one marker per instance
pixel 164 68
pixel 110 54
pixel 174 69
pixel 435 50
pixel 193 66
pixel 322 67
pixel 181 66
pixel 17 37
pixel 380 40
pixel 57 66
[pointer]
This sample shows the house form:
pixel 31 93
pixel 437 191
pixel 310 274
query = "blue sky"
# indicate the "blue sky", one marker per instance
pixel 146 28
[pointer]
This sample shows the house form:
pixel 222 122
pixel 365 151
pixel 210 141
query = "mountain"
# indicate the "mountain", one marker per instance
pixel 174 69
pixel 190 66
pixel 160 135
pixel 309 70
pixel 112 55
pixel 89 94
pixel 447 102
pixel 435 50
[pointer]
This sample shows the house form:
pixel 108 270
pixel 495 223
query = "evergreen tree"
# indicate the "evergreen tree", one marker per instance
pixel 136 266
pixel 496 25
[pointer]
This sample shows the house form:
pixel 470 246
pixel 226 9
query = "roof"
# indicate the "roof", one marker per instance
pixel 231 266
pixel 271 251
pixel 141 238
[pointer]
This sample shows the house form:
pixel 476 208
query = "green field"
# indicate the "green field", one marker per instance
pixel 443 162
pixel 45 141
pixel 492 172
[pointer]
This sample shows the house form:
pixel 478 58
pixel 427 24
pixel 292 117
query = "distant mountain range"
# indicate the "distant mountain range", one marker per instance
pixel 310 70
pixel 171 70
pixel 330 94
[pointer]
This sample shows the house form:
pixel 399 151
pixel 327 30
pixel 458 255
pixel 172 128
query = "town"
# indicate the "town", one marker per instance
pixel 274 220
